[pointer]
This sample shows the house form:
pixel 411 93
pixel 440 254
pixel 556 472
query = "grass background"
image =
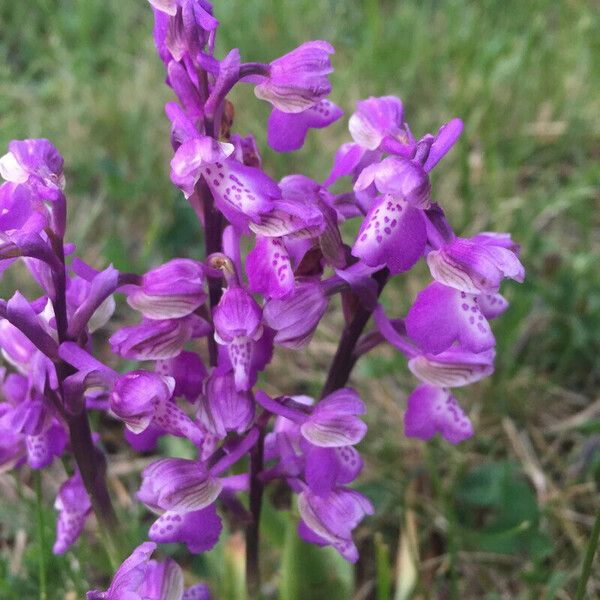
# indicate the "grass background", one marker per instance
pixel 505 515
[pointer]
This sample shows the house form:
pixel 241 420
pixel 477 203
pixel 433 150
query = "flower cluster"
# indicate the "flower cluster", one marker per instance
pixel 207 329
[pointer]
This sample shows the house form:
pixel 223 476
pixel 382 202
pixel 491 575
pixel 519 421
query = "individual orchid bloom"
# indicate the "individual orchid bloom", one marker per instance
pixel 141 398
pixel 140 578
pixel 153 339
pixel 332 423
pixel 182 27
pixel 393 234
pixel 330 518
pixel 73 506
pixel 223 408
pixel 188 371
pixel 269 268
pixel 477 265
pixel 432 410
pixel 297 80
pixel 238 326
pixel 287 131
pixel 36 163
pixel 183 493
pixel 241 193
pixel 171 291
pixel 378 124
pixel 295 317
pixel 441 316
pixel 399 177
pixel 454 367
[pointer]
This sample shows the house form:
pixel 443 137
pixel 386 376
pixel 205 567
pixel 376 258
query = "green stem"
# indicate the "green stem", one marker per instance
pixel 589 559
pixel 39 502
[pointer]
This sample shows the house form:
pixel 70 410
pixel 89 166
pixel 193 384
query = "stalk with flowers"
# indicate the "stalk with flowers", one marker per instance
pixel 208 329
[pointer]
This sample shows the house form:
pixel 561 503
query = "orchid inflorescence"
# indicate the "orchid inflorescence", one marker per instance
pixel 242 309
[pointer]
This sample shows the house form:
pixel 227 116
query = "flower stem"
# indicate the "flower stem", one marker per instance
pixel 253 528
pixel 345 358
pixel 589 559
pixel 39 506
pixel 94 479
pixel 213 227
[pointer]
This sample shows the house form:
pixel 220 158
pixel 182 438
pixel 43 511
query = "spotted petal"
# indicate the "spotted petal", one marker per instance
pixel 441 316
pixel 393 233
pixel 434 410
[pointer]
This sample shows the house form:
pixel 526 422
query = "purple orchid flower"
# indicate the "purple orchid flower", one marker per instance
pixel 182 27
pixel 155 339
pixel 295 317
pixel 183 493
pixel 329 519
pixel 297 80
pixel 332 423
pixel 477 265
pixel 36 163
pixel 378 124
pixel 171 291
pixel 140 398
pixel 140 578
pixel 238 326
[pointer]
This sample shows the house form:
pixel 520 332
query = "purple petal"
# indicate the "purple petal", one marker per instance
pixel 73 506
pixel 452 368
pixel 224 408
pixel 375 119
pixel 162 580
pixel 152 340
pixel 492 305
pixel 170 291
pixel 474 267
pixel 199 530
pixel 434 410
pixel 188 371
pixel 241 192
pixel 444 140
pixel 298 79
pixel 269 269
pixel 401 177
pixel 393 233
pixel 131 573
pixel 178 485
pixel 441 316
pixel 287 131
pixel 296 317
pixel 190 158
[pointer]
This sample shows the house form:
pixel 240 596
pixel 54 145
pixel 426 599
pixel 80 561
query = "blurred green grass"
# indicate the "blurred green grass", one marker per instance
pixel 525 78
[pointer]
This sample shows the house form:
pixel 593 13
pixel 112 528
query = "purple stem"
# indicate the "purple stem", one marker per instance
pixel 345 358
pixel 253 528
